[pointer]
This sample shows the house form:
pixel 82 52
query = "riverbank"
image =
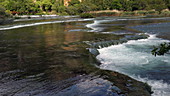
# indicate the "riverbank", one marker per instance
pixel 5 17
pixel 147 13
pixel 139 13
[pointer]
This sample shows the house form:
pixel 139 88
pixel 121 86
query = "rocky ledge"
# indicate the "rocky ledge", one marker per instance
pixel 6 21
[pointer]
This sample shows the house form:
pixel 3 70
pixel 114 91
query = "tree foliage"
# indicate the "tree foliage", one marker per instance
pixel 161 49
pixel 38 6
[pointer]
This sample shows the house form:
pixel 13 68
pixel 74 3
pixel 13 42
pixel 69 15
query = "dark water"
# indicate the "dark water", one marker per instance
pixel 44 57
pixel 47 57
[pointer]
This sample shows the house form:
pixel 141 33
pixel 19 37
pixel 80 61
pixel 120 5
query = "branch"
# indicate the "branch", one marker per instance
pixel 161 49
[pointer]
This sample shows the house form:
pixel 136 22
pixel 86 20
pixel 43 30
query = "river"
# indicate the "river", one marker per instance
pixel 134 58
pixel 49 58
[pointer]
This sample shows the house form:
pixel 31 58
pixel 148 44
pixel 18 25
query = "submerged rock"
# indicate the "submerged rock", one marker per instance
pixel 94 51
pixel 6 21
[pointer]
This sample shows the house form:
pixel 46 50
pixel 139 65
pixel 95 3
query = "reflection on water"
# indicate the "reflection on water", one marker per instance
pixel 35 58
pixel 32 55
pixel 33 49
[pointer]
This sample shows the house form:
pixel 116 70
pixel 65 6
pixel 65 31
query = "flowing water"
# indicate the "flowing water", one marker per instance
pixel 134 58
pixel 47 57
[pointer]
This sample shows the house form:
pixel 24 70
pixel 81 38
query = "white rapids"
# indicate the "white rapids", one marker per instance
pixel 134 59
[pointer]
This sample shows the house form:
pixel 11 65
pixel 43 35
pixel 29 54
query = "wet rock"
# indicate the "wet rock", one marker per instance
pixel 6 21
pixel 116 89
pixel 94 51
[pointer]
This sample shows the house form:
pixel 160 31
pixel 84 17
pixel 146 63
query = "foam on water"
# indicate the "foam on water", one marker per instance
pixel 134 58
pixel 159 87
pixel 95 26
pixel 41 23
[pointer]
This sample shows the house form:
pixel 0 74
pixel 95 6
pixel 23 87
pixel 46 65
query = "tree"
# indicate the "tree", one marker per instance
pixel 116 4
pixel 74 2
pixel 35 6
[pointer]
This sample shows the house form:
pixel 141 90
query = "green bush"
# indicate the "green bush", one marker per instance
pixel 17 17
pixel 153 12
pixel 86 7
pixel 71 10
pixel 61 9
pixel 40 13
pixel 128 14
pixel 165 13
pixel 63 14
pixel 142 12
pixel 105 14
pixel 86 15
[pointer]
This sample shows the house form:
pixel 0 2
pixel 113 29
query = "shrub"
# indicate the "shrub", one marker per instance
pixel 142 12
pixel 153 12
pixel 17 17
pixel 40 13
pixel 86 7
pixel 71 10
pixel 86 15
pixel 63 14
pixel 105 14
pixel 165 13
pixel 128 14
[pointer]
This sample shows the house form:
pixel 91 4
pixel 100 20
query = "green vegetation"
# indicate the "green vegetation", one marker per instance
pixel 4 13
pixel 128 13
pixel 86 15
pixel 161 49
pixel 106 14
pixel 76 7
pixel 165 13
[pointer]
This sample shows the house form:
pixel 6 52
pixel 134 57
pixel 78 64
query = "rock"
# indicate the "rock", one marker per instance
pixel 94 51
pixel 6 21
